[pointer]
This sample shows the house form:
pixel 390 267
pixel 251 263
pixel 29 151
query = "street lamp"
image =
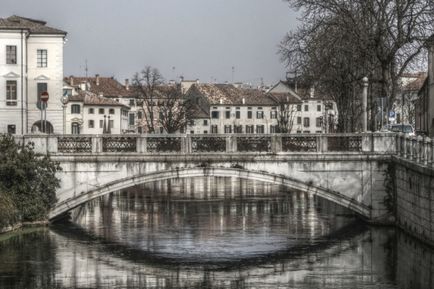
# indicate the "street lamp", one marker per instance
pixel 64 101
pixel 44 101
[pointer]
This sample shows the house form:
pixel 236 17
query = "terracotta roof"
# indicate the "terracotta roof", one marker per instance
pixel 32 25
pixel 107 86
pixel 89 98
pixel 227 94
pixel 285 97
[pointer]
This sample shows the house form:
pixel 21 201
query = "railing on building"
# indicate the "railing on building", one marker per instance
pixel 217 144
pixel 415 148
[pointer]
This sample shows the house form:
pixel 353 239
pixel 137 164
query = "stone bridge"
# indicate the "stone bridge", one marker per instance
pixel 348 169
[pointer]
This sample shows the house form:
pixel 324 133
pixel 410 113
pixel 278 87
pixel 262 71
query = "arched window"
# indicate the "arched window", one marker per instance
pixel 75 128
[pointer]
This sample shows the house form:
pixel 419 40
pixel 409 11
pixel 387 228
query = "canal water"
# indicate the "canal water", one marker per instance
pixel 213 233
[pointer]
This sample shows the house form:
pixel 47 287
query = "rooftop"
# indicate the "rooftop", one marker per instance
pixel 89 98
pixel 33 26
pixel 105 86
pixel 227 94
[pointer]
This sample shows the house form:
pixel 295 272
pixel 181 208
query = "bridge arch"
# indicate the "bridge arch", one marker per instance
pixel 291 183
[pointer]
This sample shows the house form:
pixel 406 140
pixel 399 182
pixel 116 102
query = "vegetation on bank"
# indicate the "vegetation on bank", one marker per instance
pixel 28 183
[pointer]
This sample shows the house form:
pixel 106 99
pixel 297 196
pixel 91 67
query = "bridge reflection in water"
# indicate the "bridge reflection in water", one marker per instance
pixel 213 233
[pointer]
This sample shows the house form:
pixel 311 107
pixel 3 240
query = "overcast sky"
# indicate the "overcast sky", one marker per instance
pixel 195 38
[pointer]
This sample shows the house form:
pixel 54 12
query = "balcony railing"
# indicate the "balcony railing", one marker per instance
pixel 382 143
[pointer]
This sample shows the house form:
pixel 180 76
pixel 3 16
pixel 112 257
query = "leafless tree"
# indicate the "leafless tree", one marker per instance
pixel 175 109
pixel 285 114
pixel 340 42
pixel 146 84
pixel 163 105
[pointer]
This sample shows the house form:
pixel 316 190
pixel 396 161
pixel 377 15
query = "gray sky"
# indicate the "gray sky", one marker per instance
pixel 200 38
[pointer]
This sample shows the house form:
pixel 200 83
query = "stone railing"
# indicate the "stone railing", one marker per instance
pixel 415 148
pixel 214 143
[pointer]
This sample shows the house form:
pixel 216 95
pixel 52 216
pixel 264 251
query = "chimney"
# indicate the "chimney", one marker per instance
pixel 312 92
pixel 97 79
pixel 71 80
pixel 127 84
pixel 244 100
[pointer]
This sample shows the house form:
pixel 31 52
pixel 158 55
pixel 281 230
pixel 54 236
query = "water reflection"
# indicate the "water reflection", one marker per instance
pixel 183 235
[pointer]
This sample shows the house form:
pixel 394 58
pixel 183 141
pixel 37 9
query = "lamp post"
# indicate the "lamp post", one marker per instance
pixel 44 101
pixel 64 101
pixel 365 104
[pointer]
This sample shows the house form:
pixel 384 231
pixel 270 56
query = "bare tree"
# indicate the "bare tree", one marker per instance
pixel 342 41
pixel 164 105
pixel 146 85
pixel 285 114
pixel 175 109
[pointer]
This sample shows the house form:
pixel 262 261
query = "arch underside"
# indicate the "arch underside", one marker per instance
pixel 333 196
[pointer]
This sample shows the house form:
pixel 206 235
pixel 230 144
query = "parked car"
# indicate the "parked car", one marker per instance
pixel 405 128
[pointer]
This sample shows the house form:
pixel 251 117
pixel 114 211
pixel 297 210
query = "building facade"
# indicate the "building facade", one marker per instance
pixel 31 63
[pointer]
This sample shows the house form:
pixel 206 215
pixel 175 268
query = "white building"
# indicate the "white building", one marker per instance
pixel 88 113
pixel 315 114
pixel 235 110
pixel 109 88
pixel 31 62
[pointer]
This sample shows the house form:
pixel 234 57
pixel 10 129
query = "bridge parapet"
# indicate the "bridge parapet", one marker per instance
pixel 417 149
pixel 381 143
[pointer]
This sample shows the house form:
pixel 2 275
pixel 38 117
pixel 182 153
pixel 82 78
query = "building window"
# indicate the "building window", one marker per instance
pixel 306 122
pixel 101 123
pixel 11 54
pixel 111 111
pixel 11 92
pixel 139 115
pixel 298 107
pixel 111 123
pixel 273 114
pixel 238 129
pixel 41 87
pixel 298 131
pixel 306 131
pixel 228 129
pixel 101 111
pixel 228 114
pixel 191 122
pixel 205 132
pixel 132 102
pixel 91 111
pixel 91 123
pixel 298 119
pixel 215 114
pixel 214 129
pixel 306 107
pixel 12 129
pixel 259 129
pixel 250 129
pixel 318 107
pixel 238 114
pixel 205 122
pixel 318 121
pixel 191 131
pixel 160 115
pixel 273 128
pixel 161 130
pixel 75 128
pixel 131 120
pixel 75 108
pixel 259 114
pixel 42 57
pixel 249 114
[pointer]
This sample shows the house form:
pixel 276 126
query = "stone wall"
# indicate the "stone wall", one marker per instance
pixel 415 199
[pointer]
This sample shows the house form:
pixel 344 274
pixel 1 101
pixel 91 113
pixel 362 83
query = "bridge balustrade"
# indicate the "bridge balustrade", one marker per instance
pixel 420 150
pixel 416 149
